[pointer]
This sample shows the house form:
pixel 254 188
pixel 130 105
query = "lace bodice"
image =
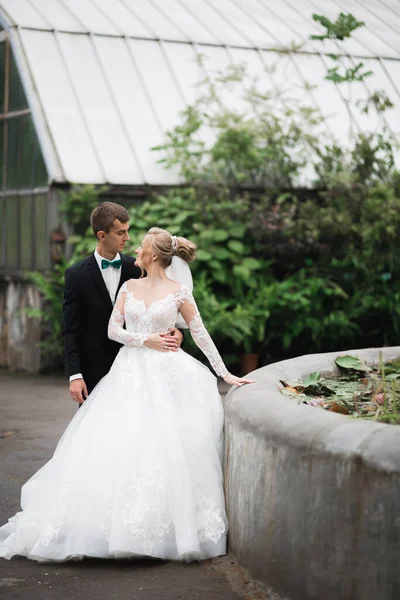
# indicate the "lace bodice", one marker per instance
pixel 140 321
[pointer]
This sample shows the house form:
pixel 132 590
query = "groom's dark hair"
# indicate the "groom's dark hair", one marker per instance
pixel 104 215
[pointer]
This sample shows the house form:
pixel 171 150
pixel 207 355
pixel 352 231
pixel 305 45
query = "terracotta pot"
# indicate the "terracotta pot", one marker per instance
pixel 248 363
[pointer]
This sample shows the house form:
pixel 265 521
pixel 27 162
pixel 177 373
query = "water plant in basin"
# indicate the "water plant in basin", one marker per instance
pixel 358 390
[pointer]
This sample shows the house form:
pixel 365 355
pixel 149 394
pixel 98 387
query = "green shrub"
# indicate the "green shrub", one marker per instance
pixel 279 270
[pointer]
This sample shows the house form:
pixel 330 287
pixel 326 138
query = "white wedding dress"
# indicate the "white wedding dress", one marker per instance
pixel 138 470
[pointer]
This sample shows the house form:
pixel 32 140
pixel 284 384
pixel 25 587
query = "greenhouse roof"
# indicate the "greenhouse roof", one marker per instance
pixel 106 79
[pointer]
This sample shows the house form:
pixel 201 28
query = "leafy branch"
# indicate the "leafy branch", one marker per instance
pixel 379 100
pixel 351 74
pixel 340 29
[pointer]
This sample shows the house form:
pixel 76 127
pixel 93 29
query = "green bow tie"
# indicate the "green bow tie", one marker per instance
pixel 114 263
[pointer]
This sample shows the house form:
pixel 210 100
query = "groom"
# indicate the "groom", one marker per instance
pixel 91 287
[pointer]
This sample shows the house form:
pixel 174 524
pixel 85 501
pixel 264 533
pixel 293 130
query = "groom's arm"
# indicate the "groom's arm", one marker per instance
pixel 182 332
pixel 178 336
pixel 72 323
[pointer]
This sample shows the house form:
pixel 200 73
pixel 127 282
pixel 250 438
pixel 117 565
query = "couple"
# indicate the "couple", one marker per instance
pixel 138 471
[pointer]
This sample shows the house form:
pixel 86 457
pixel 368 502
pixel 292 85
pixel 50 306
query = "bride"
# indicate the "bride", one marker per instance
pixel 138 470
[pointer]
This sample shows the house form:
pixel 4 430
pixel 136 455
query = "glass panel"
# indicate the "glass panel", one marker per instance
pixel 26 231
pixel 17 100
pixel 3 124
pixel 40 231
pixel 2 231
pixel 2 76
pixel 25 167
pixel 12 154
pixel 12 232
pixel 39 169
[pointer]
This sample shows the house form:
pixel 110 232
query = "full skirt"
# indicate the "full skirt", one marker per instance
pixel 138 472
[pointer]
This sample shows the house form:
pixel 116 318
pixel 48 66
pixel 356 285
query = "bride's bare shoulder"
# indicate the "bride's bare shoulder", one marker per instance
pixel 175 286
pixel 132 284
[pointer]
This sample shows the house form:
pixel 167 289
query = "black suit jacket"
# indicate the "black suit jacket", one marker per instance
pixel 87 308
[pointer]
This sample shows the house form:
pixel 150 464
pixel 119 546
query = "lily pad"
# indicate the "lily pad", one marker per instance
pixel 352 363
pixel 355 392
pixel 392 376
pixel 392 366
pixel 312 379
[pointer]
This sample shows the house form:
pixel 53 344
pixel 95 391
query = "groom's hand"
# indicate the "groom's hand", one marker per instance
pixel 78 390
pixel 176 335
pixel 161 342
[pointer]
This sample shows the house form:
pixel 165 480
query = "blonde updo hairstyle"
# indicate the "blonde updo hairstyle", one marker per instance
pixel 165 246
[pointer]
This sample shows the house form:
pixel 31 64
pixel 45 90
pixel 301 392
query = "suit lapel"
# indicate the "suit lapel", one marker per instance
pixel 97 276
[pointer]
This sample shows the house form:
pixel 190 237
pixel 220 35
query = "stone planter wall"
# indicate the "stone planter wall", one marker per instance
pixel 313 497
pixel 19 335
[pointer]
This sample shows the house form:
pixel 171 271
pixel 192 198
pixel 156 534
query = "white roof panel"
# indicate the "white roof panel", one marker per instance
pixel 279 21
pixel 91 15
pixel 377 35
pixel 96 99
pixel 352 45
pixel 190 25
pixel 184 61
pixel 392 5
pixel 304 10
pixel 244 23
pixel 252 23
pixel 24 14
pixel 221 26
pixel 58 15
pixel 379 81
pixel 108 78
pixel 156 76
pixel 360 92
pixel 135 106
pixel 122 16
pixel 328 97
pixel 159 23
pixel 64 118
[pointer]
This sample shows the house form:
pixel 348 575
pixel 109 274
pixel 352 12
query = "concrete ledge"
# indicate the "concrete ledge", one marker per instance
pixel 313 497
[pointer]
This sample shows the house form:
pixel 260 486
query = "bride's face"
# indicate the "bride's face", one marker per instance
pixel 144 254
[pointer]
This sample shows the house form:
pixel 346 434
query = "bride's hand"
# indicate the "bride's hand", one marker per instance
pixel 155 341
pixel 239 381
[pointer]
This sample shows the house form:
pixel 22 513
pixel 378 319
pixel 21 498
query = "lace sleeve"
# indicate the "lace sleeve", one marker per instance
pixel 190 312
pixel 116 330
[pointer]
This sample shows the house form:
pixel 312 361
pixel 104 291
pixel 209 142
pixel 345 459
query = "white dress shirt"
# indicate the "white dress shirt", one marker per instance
pixel 111 278
pixel 110 275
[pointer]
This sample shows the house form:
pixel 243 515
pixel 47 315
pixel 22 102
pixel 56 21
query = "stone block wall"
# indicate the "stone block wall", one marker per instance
pixel 313 497
pixel 19 334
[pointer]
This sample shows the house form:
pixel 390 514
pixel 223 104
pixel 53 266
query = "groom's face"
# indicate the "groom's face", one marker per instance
pixel 114 240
